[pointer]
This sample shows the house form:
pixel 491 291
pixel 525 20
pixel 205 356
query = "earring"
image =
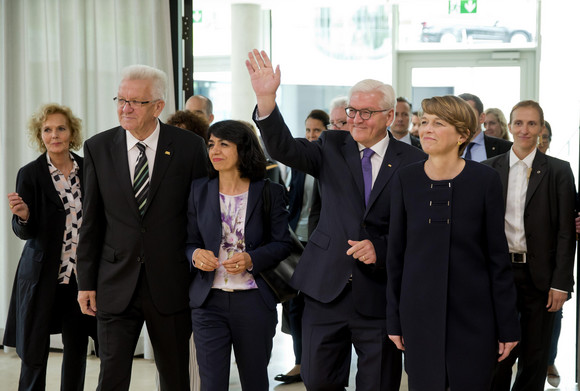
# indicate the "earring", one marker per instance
pixel 459 142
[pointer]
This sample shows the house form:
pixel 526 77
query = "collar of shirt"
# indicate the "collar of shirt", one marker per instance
pixel 133 152
pixel 52 169
pixel 150 141
pixel 379 148
pixel 528 160
pixel 406 138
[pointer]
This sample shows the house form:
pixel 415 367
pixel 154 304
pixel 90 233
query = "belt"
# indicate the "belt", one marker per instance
pixel 518 258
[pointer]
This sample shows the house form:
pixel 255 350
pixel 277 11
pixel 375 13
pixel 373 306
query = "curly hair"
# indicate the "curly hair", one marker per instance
pixel 455 111
pixel 190 121
pixel 251 158
pixel 39 117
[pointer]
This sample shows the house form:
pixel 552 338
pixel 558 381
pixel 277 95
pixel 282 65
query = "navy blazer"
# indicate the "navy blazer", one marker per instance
pixel 495 146
pixel 295 197
pixel 204 230
pixel 548 219
pixel 325 269
pixel 29 323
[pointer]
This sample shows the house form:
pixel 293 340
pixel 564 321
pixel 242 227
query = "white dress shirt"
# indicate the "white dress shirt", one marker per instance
pixel 380 150
pixel 133 151
pixel 519 175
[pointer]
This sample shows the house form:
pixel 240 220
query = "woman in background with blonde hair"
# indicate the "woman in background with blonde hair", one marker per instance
pixel 47 213
pixel 495 124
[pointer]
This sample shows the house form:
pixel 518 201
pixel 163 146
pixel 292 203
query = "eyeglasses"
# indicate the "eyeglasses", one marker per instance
pixel 132 103
pixel 364 113
pixel 336 125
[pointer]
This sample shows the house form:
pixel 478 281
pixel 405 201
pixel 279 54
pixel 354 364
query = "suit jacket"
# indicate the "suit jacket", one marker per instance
pixel 548 219
pixel 325 269
pixel 416 142
pixel 295 197
pixel 496 146
pixel 30 321
pixel 115 241
pixel 204 230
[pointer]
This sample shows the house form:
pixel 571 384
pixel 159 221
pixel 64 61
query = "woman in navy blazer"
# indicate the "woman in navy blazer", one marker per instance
pixel 451 300
pixel 47 214
pixel 231 303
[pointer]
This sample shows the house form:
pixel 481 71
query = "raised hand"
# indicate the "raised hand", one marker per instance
pixel 265 80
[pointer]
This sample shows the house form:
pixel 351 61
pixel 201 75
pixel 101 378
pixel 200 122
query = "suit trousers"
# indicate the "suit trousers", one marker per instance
pixel 533 350
pixel 119 333
pixel 240 319
pixel 76 329
pixel 328 332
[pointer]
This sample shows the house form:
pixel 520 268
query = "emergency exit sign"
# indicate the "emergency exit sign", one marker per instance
pixel 462 6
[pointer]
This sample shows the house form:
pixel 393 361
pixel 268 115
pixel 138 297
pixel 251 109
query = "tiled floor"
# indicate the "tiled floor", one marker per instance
pixel 143 377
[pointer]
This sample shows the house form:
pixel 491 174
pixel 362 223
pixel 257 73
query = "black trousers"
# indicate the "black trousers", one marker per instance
pixel 533 350
pixel 119 333
pixel 328 333
pixel 76 329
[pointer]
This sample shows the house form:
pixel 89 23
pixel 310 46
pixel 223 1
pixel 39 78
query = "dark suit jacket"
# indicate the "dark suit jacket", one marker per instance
pixel 30 321
pixel 115 240
pixel 416 142
pixel 295 197
pixel 204 230
pixel 548 219
pixel 495 146
pixel 324 268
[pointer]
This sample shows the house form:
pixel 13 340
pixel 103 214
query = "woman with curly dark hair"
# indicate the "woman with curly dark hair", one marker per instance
pixel 231 304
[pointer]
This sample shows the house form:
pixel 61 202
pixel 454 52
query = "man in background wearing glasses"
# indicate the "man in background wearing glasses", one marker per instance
pixel 342 271
pixel 132 266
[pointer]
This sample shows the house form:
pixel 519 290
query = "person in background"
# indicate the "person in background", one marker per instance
pixel 416 122
pixel 200 105
pixel 342 270
pixel 185 119
pixel 337 116
pixel 231 304
pixel 300 198
pixel 450 284
pixel 495 124
pixel 132 267
pixel 545 138
pixel 482 147
pixel 400 126
pixel 540 198
pixel 47 213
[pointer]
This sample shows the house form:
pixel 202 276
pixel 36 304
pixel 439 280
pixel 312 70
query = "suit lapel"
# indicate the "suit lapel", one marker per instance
pixel 163 157
pixel 539 170
pixel 351 154
pixel 503 168
pixel 46 180
pixel 121 166
pixel 389 166
pixel 254 195
pixel 215 219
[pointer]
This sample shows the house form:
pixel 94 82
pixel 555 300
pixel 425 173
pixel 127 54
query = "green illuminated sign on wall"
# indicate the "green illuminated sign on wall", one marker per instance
pixel 462 6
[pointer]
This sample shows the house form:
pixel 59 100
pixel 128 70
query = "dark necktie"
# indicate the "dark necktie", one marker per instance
pixel 141 179
pixel 468 151
pixel 367 169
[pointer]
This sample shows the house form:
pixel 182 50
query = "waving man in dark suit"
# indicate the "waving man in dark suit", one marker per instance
pixel 342 271
pixel 131 265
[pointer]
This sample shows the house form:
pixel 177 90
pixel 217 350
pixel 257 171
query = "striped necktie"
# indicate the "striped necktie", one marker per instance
pixel 141 179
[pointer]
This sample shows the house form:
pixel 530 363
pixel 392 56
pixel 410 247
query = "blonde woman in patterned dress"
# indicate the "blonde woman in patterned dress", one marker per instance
pixel 47 213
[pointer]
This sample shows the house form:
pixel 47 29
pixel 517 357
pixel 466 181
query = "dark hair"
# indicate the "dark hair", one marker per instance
pixel 321 116
pixel 405 100
pixel 189 121
pixel 549 127
pixel 251 158
pixel 475 99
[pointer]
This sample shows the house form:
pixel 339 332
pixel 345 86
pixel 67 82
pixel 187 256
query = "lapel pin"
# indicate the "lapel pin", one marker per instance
pixel 390 165
pixel 167 153
pixel 538 172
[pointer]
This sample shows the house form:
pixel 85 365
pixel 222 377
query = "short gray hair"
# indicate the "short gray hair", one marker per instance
pixel 145 72
pixel 339 102
pixel 370 85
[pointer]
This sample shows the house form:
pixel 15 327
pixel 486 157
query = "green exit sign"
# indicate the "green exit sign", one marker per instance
pixel 462 6
pixel 197 16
